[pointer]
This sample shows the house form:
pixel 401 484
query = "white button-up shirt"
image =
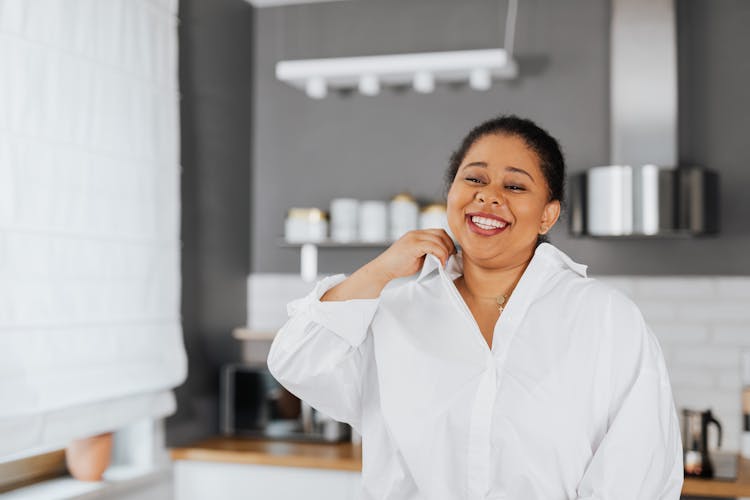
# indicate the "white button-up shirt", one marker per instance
pixel 571 402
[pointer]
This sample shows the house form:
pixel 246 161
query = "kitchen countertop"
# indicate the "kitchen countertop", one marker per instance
pixel 336 456
pixel 348 457
pixel 717 488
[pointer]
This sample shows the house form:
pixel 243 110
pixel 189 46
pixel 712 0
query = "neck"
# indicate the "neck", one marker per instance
pixel 482 281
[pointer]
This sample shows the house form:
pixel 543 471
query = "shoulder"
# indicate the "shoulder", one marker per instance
pixel 586 295
pixel 598 301
pixel 598 309
pixel 620 323
pixel 568 281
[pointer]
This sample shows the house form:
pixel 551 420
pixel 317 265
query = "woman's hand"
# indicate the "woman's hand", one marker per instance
pixel 403 258
pixel 406 255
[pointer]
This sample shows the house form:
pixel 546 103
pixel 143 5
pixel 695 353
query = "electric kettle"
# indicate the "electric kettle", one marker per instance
pixel 695 442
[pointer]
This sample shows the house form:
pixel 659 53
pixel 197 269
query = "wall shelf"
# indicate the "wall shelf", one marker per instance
pixel 336 244
pixel 308 257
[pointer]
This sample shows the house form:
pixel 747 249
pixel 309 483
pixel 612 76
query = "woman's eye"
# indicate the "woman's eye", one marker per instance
pixel 473 179
pixel 513 187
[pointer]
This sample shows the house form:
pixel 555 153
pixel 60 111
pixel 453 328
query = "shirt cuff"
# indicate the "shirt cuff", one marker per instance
pixel 349 319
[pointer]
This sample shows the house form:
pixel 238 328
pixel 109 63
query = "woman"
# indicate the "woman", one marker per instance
pixel 500 371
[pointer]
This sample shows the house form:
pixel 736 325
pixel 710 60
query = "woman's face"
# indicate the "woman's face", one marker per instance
pixel 498 201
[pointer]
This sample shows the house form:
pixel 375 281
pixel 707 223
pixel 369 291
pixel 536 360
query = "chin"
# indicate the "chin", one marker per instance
pixel 497 251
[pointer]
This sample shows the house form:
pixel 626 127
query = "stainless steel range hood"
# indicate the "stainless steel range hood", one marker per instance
pixel 643 192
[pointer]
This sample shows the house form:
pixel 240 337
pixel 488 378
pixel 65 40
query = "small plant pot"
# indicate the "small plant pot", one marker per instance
pixel 88 458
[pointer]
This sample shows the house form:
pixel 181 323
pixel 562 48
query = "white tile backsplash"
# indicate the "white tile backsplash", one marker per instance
pixel 702 323
pixel 267 297
pixel 677 331
pixel 736 334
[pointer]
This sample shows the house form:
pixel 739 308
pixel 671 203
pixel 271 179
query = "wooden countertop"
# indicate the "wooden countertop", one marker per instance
pixel 337 456
pixel 348 457
pixel 718 488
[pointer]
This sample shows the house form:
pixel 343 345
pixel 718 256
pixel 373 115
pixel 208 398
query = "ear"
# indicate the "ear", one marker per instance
pixel 549 216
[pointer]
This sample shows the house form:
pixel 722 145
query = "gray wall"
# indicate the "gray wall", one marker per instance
pixel 307 152
pixel 216 87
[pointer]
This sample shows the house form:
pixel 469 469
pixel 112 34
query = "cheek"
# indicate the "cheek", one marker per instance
pixel 450 200
pixel 455 201
pixel 530 212
pixel 454 205
pixel 459 195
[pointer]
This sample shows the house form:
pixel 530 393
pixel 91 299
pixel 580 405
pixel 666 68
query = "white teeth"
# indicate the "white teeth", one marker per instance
pixel 486 223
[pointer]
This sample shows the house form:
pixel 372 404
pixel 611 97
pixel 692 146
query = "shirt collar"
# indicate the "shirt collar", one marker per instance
pixel 554 253
pixel 432 263
pixel 454 268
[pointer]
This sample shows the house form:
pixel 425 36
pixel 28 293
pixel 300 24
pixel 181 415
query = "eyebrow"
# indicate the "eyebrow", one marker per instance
pixel 508 168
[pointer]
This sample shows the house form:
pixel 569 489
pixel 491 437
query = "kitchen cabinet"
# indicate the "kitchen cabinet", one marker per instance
pixel 197 480
pixel 255 469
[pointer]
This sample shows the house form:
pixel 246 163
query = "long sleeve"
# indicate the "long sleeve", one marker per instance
pixel 640 455
pixel 319 354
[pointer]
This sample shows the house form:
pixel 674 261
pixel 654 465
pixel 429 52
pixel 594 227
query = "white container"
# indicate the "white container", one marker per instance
pixel 434 216
pixel 373 221
pixel 305 225
pixel 404 215
pixel 344 219
pixel 610 200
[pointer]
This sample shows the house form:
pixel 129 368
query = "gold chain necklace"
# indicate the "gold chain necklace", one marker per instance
pixel 500 300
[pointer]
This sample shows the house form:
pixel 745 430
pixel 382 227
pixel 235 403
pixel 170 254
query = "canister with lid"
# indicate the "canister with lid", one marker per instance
pixel 404 215
pixel 305 225
pixel 373 221
pixel 344 219
pixel 434 216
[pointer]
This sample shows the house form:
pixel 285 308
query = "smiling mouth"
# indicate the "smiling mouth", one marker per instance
pixel 485 225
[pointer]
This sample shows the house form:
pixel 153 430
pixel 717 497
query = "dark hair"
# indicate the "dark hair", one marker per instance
pixel 545 146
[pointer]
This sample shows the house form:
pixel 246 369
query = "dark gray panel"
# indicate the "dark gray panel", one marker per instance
pixel 216 87
pixel 714 110
pixel 307 152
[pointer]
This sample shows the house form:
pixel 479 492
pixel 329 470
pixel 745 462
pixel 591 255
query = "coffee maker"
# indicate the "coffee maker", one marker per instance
pixel 696 458
pixel 254 404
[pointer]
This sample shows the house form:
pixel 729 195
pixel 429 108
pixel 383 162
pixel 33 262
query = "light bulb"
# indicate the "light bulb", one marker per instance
pixel 316 88
pixel 424 82
pixel 480 79
pixel 369 85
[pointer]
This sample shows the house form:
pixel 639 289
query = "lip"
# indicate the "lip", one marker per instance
pixel 485 232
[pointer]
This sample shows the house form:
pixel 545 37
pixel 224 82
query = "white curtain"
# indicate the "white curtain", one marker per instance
pixel 90 335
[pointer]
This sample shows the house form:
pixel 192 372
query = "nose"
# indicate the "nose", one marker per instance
pixel 489 196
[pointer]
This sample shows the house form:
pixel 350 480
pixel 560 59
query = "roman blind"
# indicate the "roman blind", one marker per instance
pixel 90 334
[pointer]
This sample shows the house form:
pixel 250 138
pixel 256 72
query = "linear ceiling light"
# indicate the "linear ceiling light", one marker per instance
pixel 421 70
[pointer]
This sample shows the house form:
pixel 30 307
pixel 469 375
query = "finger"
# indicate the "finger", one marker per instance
pixel 443 234
pixel 442 237
pixel 436 249
pixel 436 239
pixel 449 241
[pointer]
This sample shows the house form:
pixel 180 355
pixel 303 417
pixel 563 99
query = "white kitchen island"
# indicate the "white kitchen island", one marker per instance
pixel 255 469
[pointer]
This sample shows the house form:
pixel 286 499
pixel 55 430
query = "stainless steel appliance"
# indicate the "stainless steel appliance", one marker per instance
pixel 645 201
pixel 644 191
pixel 253 403
pixel 695 424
